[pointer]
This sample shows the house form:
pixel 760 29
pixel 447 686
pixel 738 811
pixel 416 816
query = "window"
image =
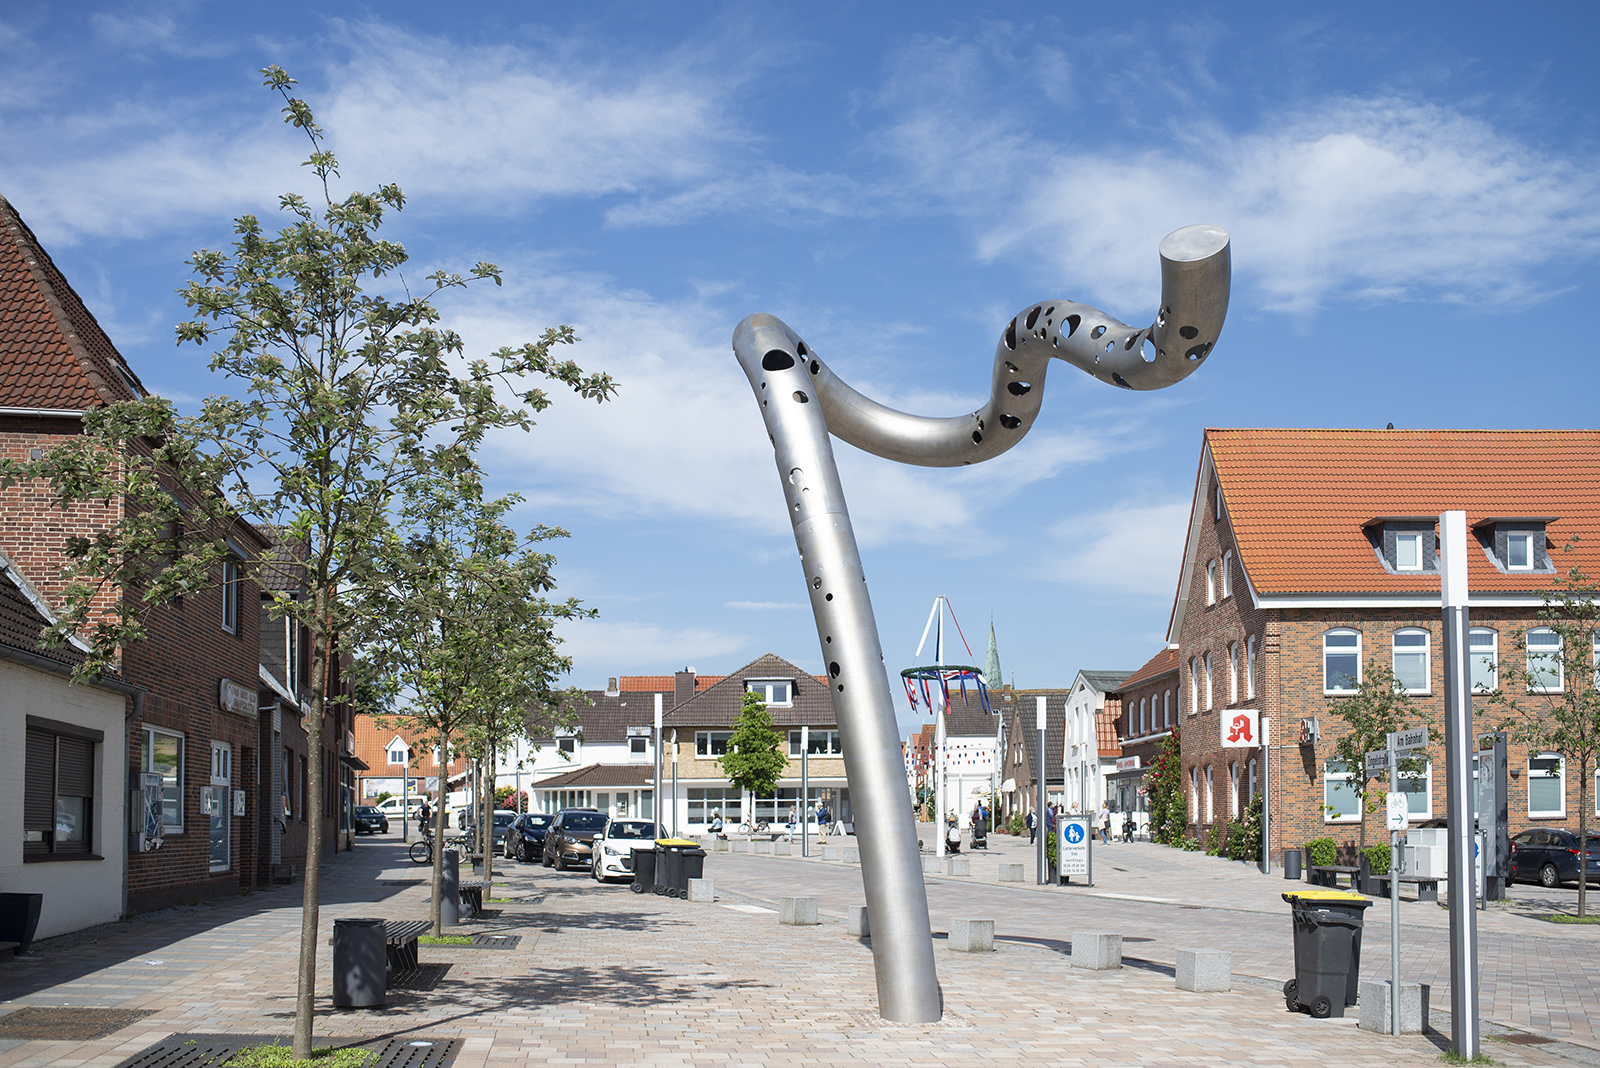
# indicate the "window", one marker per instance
pixel 1211 796
pixel 1233 789
pixel 567 746
pixel 1544 661
pixel 711 743
pixel 1194 795
pixel 291 660
pixel 1194 686
pixel 230 596
pixel 1130 731
pixel 1209 702
pixel 1166 710
pixel 1408 551
pixel 1211 582
pixel 1233 673
pixel 1596 659
pixel 1519 552
pixel 1339 800
pixel 821 743
pixel 163 755
pixel 703 803
pixel 772 691
pixel 1411 660
pixel 1227 573
pixel 1250 667
pixel 638 746
pixel 1547 785
pixel 1217 503
pixel 1418 788
pixel 1341 661
pixel 1483 651
pixel 58 789
pixel 1144 721
pixel 218 802
pixel 1251 779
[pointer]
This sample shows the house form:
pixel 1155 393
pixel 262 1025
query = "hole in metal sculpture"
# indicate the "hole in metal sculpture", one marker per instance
pixel 980 422
pixel 1011 368
pixel 829 639
pixel 795 475
pixel 1133 339
pixel 1119 380
pixel 1189 333
pixel 797 506
pixel 1011 334
pixel 1050 310
pixel 802 350
pixel 1199 351
pixel 1010 422
pixel 977 438
pixel 1111 344
pixel 833 668
pixel 1072 322
pixel 1149 351
pixel 815 366
pixel 777 360
pixel 1017 389
pixel 800 396
pixel 816 583
pixel 841 687
pixel 1033 317
pixel 829 597
pixel 1097 331
pixel 1161 316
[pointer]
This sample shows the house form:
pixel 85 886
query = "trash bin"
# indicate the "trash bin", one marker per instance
pixel 19 918
pixel 1327 951
pixel 644 869
pixel 670 879
pixel 360 965
pixel 694 867
pixel 1291 864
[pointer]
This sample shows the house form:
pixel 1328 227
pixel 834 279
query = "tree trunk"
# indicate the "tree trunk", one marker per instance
pixel 489 807
pixel 305 993
pixel 1583 833
pixel 438 833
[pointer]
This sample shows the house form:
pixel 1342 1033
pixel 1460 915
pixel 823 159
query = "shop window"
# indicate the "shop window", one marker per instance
pixel 163 755
pixel 703 803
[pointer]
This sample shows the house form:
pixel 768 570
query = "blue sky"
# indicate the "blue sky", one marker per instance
pixel 1411 190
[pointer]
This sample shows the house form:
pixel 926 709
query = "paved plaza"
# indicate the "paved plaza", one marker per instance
pixel 604 976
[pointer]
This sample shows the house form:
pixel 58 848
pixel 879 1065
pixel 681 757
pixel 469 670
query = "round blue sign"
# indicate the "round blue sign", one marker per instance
pixel 1074 833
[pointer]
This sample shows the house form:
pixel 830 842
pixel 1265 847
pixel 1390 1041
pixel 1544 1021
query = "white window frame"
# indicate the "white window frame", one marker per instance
pixel 1340 650
pixel 1211 794
pixel 1555 661
pixel 1211 581
pixel 1329 775
pixel 230 595
pixel 1233 789
pixel 1425 811
pixel 1414 538
pixel 703 751
pixel 1561 791
pixel 568 745
pixel 1166 711
pixel 1233 673
pixel 763 688
pixel 221 788
pixel 1250 668
pixel 1526 538
pixel 1477 654
pixel 146 751
pixel 829 738
pixel 1144 722
pixel 1410 650
pixel 1210 703
pixel 1254 782
pixel 1194 795
pixel 1217 505
pixel 1194 685
pixel 1227 574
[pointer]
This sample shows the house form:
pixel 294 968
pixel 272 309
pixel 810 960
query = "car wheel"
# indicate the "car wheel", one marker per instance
pixel 594 869
pixel 544 858
pixel 1549 878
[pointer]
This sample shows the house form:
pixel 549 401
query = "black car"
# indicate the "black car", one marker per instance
pixel 1549 856
pixel 525 837
pixel 570 837
pixel 369 820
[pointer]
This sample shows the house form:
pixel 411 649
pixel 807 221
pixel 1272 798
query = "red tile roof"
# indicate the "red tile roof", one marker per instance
pixel 1297 499
pixel 663 683
pixel 1105 723
pixel 1163 662
pixel 53 353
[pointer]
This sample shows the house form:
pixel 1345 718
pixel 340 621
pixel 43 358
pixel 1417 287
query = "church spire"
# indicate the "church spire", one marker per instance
pixel 991 662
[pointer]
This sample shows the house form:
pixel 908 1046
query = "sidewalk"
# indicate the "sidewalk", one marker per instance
pixel 604 976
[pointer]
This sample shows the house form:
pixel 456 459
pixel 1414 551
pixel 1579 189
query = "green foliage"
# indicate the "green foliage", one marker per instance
pixel 1377 858
pixel 1189 844
pixel 1211 837
pixel 1050 845
pixel 1322 852
pixel 383 795
pixel 1378 707
pixel 755 759
pixel 1564 719
pixel 1244 835
pixel 276 1056
pixel 1018 824
pixel 445 940
pixel 1164 784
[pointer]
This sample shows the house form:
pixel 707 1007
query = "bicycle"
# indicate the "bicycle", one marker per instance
pixel 422 851
pixel 759 827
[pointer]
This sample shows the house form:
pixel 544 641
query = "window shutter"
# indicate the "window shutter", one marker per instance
pixel 75 768
pixel 39 793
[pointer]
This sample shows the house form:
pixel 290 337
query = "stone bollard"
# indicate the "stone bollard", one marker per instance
pixel 972 936
pixel 931 865
pixel 1096 950
pixel 719 845
pixel 959 866
pixel 1012 873
pixel 1205 971
pixel 855 919
pixel 1376 1014
pixel 701 890
pixel 798 911
pixel 763 846
pixel 852 855
pixel 832 852
pixel 782 849
pixel 739 845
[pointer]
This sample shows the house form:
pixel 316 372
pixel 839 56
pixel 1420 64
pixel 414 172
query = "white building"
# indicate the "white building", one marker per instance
pixel 1089 744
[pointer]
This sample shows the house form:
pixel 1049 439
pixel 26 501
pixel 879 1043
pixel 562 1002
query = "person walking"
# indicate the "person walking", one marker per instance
pixel 1102 822
pixel 794 817
pixel 1033 829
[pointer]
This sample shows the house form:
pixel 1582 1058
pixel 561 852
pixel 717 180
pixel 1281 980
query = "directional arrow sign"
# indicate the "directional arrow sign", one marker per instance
pixel 1412 739
pixel 1377 761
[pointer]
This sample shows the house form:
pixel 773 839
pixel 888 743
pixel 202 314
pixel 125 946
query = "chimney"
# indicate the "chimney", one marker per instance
pixel 682 686
pixel 611 687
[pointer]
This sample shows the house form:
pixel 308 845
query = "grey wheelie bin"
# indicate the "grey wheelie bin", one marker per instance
pixel 1327 951
pixel 644 869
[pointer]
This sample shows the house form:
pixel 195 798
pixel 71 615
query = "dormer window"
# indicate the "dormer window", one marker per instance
pixel 1519 552
pixel 1408 551
pixel 775 692
pixel 1404 544
pixel 1515 543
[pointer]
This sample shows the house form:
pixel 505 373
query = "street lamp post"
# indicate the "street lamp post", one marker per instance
pixel 1039 821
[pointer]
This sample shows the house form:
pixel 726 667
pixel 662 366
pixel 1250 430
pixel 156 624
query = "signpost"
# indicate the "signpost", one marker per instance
pixel 1401 745
pixel 1459 743
pixel 1073 851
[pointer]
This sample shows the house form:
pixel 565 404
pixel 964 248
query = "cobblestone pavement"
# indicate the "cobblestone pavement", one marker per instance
pixel 604 976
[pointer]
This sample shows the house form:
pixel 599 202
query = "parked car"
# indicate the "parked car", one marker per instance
pixel 394 806
pixel 1549 856
pixel 525 837
pixel 569 838
pixel 612 851
pixel 371 820
pixel 503 818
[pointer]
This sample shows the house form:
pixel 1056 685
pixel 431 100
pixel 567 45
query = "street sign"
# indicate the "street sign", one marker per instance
pixel 1398 811
pixel 1073 848
pixel 1417 738
pixel 1377 761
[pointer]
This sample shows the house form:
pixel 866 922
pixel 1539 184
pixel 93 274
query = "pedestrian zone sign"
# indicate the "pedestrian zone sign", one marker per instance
pixel 1073 848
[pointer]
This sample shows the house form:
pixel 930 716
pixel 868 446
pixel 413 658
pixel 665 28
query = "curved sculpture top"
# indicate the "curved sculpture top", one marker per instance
pixel 1196 272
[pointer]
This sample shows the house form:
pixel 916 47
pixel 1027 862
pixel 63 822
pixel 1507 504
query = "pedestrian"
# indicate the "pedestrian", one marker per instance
pixel 424 816
pixel 1033 828
pixel 794 817
pixel 1102 822
pixel 1050 820
pixel 716 821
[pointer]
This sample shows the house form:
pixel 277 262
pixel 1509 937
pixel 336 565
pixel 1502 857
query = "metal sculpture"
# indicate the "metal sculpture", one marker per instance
pixel 802 401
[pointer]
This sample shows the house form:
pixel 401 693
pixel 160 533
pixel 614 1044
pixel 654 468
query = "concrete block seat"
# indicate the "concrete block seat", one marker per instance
pixel 1206 971
pixel 1096 950
pixel 972 936
pixel 798 911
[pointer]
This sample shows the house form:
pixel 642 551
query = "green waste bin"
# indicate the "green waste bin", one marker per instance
pixel 1327 951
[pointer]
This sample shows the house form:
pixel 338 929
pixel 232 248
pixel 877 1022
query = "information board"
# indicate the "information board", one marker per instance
pixel 1072 851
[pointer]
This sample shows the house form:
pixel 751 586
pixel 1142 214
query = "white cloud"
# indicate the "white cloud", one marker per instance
pixel 604 646
pixel 1134 548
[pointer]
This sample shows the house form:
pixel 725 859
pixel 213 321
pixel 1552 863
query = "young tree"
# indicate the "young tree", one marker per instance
pixel 1549 697
pixel 348 396
pixel 1379 705
pixel 755 759
pixel 1169 821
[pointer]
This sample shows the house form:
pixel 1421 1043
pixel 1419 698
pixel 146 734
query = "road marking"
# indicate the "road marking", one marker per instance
pixel 748 908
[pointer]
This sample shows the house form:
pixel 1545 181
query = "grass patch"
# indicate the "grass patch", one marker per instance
pixel 1450 1056
pixel 277 1056
pixel 1562 917
pixel 445 940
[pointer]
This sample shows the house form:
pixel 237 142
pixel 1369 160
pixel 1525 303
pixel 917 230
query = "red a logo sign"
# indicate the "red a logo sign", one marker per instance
pixel 1240 731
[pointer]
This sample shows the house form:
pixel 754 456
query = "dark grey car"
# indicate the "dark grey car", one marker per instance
pixel 569 838
pixel 1549 856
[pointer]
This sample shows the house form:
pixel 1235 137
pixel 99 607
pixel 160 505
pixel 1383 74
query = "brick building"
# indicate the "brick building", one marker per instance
pixel 1147 706
pixel 192 720
pixel 1019 748
pixel 1313 553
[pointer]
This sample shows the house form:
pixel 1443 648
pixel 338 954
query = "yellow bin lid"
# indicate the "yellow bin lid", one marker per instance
pixel 1324 895
pixel 676 842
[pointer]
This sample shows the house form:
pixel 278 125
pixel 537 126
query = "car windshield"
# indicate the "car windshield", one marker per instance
pixel 367 810
pixel 585 821
pixel 503 819
pixel 630 829
pixel 539 821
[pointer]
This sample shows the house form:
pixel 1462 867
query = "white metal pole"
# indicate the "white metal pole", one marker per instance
pixel 1394 908
pixel 655 794
pixel 674 782
pixel 1266 797
pixel 1039 821
pixel 1460 743
pixel 805 792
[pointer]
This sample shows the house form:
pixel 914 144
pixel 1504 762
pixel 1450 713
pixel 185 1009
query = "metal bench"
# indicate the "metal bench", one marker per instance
pixel 471 891
pixel 400 943
pixel 1329 874
pixel 1427 885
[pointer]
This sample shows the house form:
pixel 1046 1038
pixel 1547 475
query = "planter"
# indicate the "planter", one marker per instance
pixel 19 918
